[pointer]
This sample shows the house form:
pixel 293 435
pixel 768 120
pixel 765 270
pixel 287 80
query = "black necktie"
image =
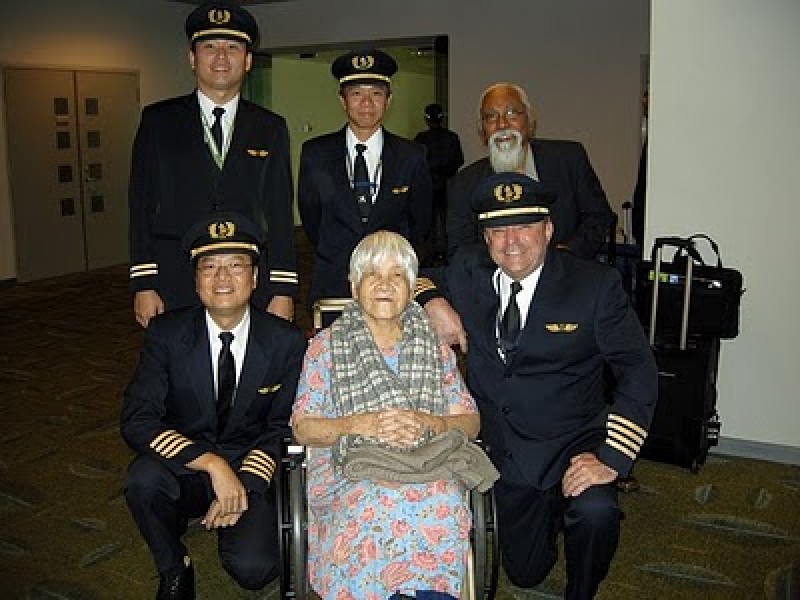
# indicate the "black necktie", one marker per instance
pixel 361 184
pixel 226 379
pixel 509 326
pixel 216 128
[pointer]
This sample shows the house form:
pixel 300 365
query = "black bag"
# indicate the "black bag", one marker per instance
pixel 686 423
pixel 715 291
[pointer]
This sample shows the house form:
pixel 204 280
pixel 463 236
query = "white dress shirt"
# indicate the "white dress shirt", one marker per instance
pixel 372 155
pixel 530 165
pixel 206 109
pixel 238 345
pixel 502 285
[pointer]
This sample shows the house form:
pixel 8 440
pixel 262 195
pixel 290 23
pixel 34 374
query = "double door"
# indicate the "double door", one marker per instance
pixel 69 144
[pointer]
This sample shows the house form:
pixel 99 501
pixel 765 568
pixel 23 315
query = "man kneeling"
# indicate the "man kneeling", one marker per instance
pixel 206 412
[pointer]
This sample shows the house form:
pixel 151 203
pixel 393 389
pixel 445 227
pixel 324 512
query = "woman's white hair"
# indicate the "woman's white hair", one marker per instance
pixel 377 249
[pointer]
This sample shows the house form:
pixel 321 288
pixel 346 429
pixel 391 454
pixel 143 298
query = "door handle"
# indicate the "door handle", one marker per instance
pixel 92 173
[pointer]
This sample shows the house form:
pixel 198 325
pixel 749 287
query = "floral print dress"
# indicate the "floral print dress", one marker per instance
pixel 367 541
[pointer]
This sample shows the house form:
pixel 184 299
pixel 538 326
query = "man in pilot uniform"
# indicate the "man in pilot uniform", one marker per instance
pixel 542 326
pixel 362 178
pixel 206 412
pixel 210 151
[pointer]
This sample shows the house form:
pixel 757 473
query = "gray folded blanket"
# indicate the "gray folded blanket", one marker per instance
pixel 448 455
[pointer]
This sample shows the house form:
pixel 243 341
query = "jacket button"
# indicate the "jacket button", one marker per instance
pixel 508 455
pixel 505 410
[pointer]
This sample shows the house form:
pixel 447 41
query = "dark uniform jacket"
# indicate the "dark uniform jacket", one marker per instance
pixel 175 183
pixel 170 405
pixel 329 211
pixel 581 215
pixel 548 403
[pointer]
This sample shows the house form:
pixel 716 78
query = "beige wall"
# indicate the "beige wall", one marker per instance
pixel 724 157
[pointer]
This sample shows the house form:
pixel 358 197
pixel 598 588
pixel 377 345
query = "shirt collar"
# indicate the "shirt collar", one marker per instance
pixel 502 282
pixel 502 285
pixel 374 144
pixel 239 332
pixel 207 106
pixel 530 165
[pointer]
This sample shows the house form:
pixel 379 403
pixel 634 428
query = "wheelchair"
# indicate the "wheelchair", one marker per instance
pixel 483 562
pixel 290 483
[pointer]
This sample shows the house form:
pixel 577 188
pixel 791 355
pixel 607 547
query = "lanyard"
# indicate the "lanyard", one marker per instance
pixel 219 158
pixel 373 181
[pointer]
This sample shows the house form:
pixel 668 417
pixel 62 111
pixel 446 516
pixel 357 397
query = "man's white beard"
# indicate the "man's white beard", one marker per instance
pixel 506 155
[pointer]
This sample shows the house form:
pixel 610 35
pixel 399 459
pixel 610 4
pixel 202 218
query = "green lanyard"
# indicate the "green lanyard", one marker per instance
pixel 219 157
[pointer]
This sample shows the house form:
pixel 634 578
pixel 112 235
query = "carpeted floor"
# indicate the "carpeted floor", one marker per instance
pixel 67 348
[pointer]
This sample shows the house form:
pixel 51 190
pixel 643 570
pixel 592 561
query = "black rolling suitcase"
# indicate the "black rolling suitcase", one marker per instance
pixel 686 423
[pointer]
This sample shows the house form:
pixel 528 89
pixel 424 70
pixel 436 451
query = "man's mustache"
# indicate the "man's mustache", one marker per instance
pixel 500 139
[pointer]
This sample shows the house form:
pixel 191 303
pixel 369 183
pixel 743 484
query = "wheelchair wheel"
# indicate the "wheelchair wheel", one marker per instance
pixel 290 490
pixel 485 548
pixel 299 543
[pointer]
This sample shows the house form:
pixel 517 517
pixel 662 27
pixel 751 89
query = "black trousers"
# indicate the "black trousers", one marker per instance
pixel 439 226
pixel 528 524
pixel 162 504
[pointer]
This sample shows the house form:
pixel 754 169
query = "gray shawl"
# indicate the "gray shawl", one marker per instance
pixel 362 382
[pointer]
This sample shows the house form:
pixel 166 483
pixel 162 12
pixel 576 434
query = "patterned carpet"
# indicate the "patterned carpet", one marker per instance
pixel 67 348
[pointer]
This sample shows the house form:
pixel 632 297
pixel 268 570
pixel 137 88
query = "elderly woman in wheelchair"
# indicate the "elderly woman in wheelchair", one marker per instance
pixel 388 421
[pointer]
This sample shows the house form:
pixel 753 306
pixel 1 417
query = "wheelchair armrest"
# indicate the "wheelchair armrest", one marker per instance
pixel 326 306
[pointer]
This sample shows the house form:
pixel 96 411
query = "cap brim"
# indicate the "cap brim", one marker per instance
pixel 224 248
pixel 365 78
pixel 221 33
pixel 513 216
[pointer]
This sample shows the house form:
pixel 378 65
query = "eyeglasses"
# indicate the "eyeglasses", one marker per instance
pixel 208 270
pixel 512 115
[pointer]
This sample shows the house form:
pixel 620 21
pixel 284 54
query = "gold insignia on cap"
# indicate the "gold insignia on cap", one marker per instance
pixel 257 153
pixel 221 230
pixel 363 62
pixel 508 192
pixel 219 16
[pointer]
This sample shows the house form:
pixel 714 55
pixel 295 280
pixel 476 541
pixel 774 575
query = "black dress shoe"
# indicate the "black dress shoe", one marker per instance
pixel 176 585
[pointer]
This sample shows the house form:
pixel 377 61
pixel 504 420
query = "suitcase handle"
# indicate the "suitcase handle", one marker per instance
pixel 683 246
pixel 687 247
pixel 711 243
pixel 658 246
